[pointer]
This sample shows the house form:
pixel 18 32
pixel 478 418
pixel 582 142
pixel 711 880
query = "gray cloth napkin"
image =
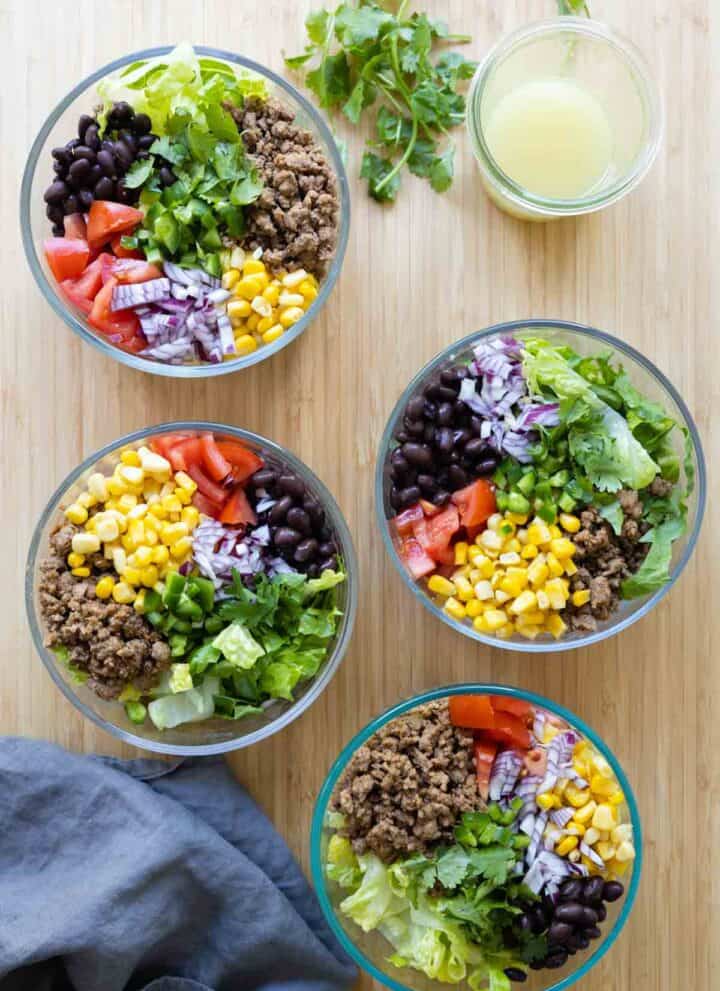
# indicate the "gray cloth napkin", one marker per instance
pixel 148 876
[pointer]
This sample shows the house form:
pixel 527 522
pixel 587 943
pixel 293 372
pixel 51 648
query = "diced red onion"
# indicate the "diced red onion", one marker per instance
pixel 506 768
pixel 587 851
pixel 561 817
pixel 540 824
pixel 139 293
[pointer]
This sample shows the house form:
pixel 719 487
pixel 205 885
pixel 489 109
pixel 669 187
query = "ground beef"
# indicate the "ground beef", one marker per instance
pixel 604 560
pixel 294 221
pixel 405 789
pixel 112 642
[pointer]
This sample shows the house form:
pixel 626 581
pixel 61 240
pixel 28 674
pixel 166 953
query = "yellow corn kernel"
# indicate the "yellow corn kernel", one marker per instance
pixel 293 279
pixel 157 510
pixel 142 556
pixel 81 572
pixel 132 474
pixel 513 584
pixel 519 519
pixel 253 266
pixel 539 534
pixel 512 546
pixel 181 547
pixel 130 457
pixel 97 486
pixel 453 607
pixel 600 785
pixel 461 552
pixel 273 334
pixel 530 632
pixel 483 590
pixel 85 543
pixel 183 497
pixel 555 531
pixel 556 593
pixel 190 517
pixel 505 632
pixel 86 500
pixel 501 597
pixel 290 316
pixel 104 587
pixel 585 814
pixel 230 278
pixel 484 565
pixel 271 294
pixel 569 523
pixel 509 559
pixel 575 828
pixel 546 801
pixel 149 576
pixel 237 310
pixel 123 593
pixel 495 618
pixel 474 608
pixel 534 617
pixel 556 626
pixel 252 322
pixel 570 566
pixel 464 589
pixel 75 560
pixel 526 601
pixel 537 572
pixel 581 597
pixel 577 797
pixel 151 537
pixel 529 552
pixel 136 532
pixel 592 835
pixel 290 299
pixel 76 514
pixel 107 529
pixel 265 324
pixel 554 566
pixel 543 600
pixel 308 291
pixel 249 287
pixel 119 559
pixel 441 586
pixel 565 845
pixel 562 548
pixel 245 344
pixel 172 532
pixel 621 833
pixel 604 817
pixel 139 602
pixel 131 575
pixel 171 503
pixel 159 555
pixel 480 624
pixel 616 798
pixel 185 482
pixel 616 869
pixel 606 850
pixel 127 502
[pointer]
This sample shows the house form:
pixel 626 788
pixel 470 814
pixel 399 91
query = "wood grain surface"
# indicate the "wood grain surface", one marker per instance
pixel 416 276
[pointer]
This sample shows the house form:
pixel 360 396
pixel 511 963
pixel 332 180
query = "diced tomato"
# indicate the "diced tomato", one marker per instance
pixel 206 485
pixel 536 761
pixel 237 509
pixel 472 711
pixel 75 227
pixel 476 502
pixel 516 707
pixel 120 252
pixel 106 219
pixel 163 442
pixel 91 280
pixel 416 560
pixel 434 533
pixel 509 730
pixel 122 324
pixel 405 521
pixel 135 344
pixel 185 453
pixel 485 752
pixel 244 461
pixel 67 257
pixel 130 270
pixel 69 287
pixel 206 506
pixel 428 508
pixel 216 466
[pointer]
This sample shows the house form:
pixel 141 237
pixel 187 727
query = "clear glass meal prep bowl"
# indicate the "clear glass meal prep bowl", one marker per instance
pixel 609 67
pixel 61 125
pixel 647 378
pixel 213 736
pixel 371 950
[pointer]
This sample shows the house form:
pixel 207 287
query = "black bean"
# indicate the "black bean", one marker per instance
pixel 487 466
pixel 515 974
pixel 556 959
pixel 280 509
pixel 397 461
pixel 536 964
pixel 593 890
pixel 54 213
pixel 450 376
pixel 107 163
pixel 146 142
pixel 548 906
pixel 476 425
pixel 394 497
pixel 601 912
pixel 129 139
pixel 440 498
pixel 167 176
pixel 299 520
pixel 315 511
pixel 85 199
pixel 559 932
pixel 71 204
pixel 475 447
pixel 571 943
pixel 58 230
pixel 409 496
pixel 442 392
pixel 429 433
pixel 571 912
pixel 264 478
pixel 92 137
pixel 398 473
pixel 328 563
pixel 445 414
pixel 142 124
pixel 71 145
pixel 285 536
pixel 582 941
pixel 56 192
pixel 125 195
pixel 401 437
pixel 612 890
pixel 82 151
pixel 537 920
pixel 122 112
pixel 427 484
pixel 95 173
pixel 80 171
pixel 83 124
pixel 571 890
pixel 417 454
pixel 444 440
pixel 430 410
pixel 123 155
pixel 415 407
pixel 328 548
pixel 104 189
pixel 592 932
pixel 589 917
pixel 416 428
pixel 306 550
pixel 62 156
pixel 60 169
pixel 313 571
pixel 457 477
pixel 523 923
pixel 291 485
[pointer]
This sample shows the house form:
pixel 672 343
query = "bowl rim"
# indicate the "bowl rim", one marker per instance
pixel 338 766
pixel 80 327
pixel 317 685
pixel 648 89
pixel 626 350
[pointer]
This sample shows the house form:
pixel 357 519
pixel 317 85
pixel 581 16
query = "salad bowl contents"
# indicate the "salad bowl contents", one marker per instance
pixel 537 483
pixel 195 214
pixel 476 839
pixel 188 577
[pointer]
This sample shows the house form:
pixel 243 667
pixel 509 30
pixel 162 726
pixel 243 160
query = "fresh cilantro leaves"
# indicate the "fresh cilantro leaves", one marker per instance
pixel 366 56
pixel 574 8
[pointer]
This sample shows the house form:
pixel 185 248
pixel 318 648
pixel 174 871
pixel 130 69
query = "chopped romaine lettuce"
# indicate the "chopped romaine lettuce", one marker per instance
pixel 186 707
pixel 238 646
pixel 180 678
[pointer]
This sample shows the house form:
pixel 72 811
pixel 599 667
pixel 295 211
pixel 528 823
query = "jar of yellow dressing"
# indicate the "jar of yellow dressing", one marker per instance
pixel 564 118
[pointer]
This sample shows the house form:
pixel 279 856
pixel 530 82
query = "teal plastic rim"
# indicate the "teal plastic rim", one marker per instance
pixel 317 866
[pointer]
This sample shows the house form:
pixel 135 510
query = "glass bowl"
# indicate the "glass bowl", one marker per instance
pixel 371 950
pixel 213 736
pixel 609 68
pixel 647 378
pixel 62 124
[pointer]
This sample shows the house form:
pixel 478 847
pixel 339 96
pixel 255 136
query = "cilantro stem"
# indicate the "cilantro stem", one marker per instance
pixel 408 100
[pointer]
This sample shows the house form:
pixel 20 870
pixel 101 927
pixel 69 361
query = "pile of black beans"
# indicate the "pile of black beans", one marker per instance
pixel 92 165
pixel 298 526
pixel 571 923
pixel 439 445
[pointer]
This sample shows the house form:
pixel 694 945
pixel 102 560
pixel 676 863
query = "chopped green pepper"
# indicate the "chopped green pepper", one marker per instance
pixel 136 712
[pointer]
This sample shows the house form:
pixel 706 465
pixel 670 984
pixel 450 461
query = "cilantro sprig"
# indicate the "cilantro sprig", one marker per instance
pixel 365 56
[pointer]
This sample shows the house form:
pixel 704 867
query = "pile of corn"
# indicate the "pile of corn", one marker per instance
pixel 514 578
pixel 597 817
pixel 140 518
pixel 265 307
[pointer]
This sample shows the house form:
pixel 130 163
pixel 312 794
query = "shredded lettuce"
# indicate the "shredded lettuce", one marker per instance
pixel 180 678
pixel 185 707
pixel 238 646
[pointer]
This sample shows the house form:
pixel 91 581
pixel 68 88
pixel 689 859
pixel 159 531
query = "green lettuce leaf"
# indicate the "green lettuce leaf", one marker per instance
pixel 186 707
pixel 238 646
